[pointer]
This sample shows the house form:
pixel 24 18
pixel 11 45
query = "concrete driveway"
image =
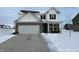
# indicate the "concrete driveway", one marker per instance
pixel 24 43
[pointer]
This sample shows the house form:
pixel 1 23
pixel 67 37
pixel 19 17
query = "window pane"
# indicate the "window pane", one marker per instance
pixel 52 16
pixel 43 16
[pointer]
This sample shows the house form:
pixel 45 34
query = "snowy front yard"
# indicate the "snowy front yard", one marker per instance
pixel 5 34
pixel 62 42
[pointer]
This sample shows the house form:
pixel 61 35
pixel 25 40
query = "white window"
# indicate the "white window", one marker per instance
pixel 43 16
pixel 52 16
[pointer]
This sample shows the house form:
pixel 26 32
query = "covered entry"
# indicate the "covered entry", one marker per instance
pixel 54 28
pixel 50 28
pixel 44 27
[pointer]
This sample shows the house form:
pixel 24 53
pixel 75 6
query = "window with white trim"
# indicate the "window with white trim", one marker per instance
pixel 43 16
pixel 52 16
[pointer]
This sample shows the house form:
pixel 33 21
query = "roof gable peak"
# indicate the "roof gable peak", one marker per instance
pixel 53 9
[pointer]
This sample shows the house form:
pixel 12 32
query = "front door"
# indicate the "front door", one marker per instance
pixel 44 28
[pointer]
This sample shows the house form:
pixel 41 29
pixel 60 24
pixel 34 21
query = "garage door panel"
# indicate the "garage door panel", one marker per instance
pixel 29 29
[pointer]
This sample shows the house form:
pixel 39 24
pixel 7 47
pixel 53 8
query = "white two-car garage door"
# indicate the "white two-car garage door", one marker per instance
pixel 29 29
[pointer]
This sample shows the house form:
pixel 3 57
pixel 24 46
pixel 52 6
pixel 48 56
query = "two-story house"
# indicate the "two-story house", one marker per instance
pixel 34 22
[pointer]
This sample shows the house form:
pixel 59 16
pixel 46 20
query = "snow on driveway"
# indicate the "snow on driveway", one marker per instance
pixel 5 34
pixel 62 41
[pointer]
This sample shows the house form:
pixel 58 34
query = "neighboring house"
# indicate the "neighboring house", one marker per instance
pixel 68 26
pixel 5 26
pixel 34 22
pixel 75 22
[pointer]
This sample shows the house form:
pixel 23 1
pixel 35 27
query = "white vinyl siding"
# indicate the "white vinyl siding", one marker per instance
pixel 52 12
pixel 28 18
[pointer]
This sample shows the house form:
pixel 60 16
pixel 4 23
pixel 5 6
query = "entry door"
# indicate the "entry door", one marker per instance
pixel 44 28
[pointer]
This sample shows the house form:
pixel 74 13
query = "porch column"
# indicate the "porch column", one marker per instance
pixel 48 28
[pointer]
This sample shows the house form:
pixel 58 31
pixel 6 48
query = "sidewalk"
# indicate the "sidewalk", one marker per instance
pixel 24 43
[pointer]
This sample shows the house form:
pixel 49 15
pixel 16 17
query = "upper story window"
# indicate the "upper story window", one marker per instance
pixel 52 16
pixel 43 16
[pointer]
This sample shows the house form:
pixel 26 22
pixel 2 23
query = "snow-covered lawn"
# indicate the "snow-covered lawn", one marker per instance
pixel 62 42
pixel 5 34
pixel 57 42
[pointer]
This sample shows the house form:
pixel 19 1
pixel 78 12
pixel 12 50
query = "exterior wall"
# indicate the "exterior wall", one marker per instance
pixel 28 18
pixel 75 28
pixel 54 26
pixel 28 25
pixel 29 29
pixel 75 21
pixel 52 12
pixel 37 15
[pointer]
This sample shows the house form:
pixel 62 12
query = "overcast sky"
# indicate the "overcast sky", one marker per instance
pixel 9 14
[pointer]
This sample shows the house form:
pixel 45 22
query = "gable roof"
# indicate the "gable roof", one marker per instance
pixel 53 9
pixel 45 11
pixel 19 18
pixel 76 17
pixel 28 13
